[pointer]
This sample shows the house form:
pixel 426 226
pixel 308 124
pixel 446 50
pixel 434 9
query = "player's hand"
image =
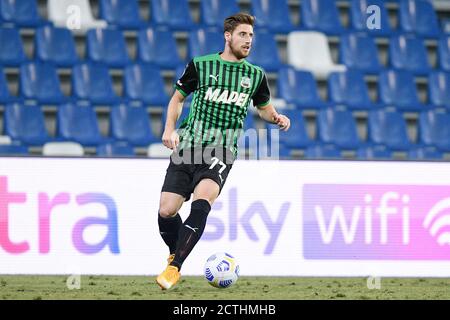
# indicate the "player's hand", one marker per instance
pixel 282 121
pixel 170 139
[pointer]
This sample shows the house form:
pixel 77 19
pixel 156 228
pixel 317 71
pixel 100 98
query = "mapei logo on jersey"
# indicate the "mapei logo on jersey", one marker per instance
pixel 246 82
pixel 376 222
pixel 228 97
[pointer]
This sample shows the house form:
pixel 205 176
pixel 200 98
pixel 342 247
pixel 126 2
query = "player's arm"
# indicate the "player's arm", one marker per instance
pixel 267 112
pixel 170 137
pixel 183 87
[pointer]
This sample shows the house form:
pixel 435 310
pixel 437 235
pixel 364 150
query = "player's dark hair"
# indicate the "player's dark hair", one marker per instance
pixel 233 21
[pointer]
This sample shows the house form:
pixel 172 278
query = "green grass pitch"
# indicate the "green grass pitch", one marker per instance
pixel 257 288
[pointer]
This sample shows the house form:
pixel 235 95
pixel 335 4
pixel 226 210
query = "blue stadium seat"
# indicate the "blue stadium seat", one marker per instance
pixel 5 96
pixel 132 125
pixel 273 15
pixel 203 41
pixel 142 81
pixel 115 149
pixel 214 12
pixel 174 14
pixel 323 151
pixel 158 46
pixel 425 153
pixel 434 129
pixel 373 152
pixel 349 88
pixel 12 53
pixel 39 81
pixel 359 51
pixel 107 46
pixel 321 15
pixel 359 17
pixel 12 150
pixel 336 126
pixel 439 89
pixel 397 88
pixel 419 17
pixel 388 128
pixel 79 124
pixel 91 81
pixel 22 13
pixel 407 52
pixel 300 88
pixel 55 45
pixel 296 137
pixel 121 13
pixel 25 124
pixel 264 52
pixel 444 53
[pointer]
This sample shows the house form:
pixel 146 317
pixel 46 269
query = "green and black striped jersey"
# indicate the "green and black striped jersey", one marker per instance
pixel 221 95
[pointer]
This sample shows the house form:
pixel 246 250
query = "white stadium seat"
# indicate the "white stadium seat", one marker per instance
pixel 63 13
pixel 158 150
pixel 63 149
pixel 309 50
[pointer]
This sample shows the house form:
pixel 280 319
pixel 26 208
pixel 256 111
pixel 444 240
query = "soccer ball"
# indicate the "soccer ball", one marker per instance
pixel 221 270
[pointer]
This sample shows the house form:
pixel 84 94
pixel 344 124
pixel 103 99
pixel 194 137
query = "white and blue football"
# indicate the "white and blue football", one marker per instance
pixel 221 270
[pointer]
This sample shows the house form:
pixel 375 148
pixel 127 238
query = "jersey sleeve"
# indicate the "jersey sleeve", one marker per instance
pixel 188 81
pixel 261 97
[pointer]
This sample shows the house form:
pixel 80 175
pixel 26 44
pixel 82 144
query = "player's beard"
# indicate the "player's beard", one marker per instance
pixel 238 51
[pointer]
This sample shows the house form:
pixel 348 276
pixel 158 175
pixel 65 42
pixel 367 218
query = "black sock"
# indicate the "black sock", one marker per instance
pixel 168 229
pixel 191 231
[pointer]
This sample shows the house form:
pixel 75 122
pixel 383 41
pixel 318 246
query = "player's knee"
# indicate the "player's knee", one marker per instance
pixel 167 211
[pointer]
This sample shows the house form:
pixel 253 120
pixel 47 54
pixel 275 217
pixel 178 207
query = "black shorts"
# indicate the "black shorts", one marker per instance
pixel 188 167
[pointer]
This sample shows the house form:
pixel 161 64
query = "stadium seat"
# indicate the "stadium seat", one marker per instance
pixel 214 12
pixel 264 52
pixel 92 82
pixel 434 129
pixel 323 151
pixel 439 89
pixel 359 18
pixel 78 124
pixel 62 149
pixel 397 88
pixel 132 125
pixel 121 13
pixel 12 52
pixel 445 25
pixel 310 51
pixel 158 150
pixel 321 15
pixel 114 149
pixel 204 41
pixel 349 88
pixel 272 15
pixel 174 14
pixel 373 152
pixel 107 46
pixel 444 52
pixel 25 124
pixel 425 153
pixel 39 81
pixel 419 17
pixel 359 51
pixel 408 52
pixel 55 45
pixel 388 128
pixel 22 13
pixel 337 126
pixel 300 88
pixel 159 47
pixel 5 95
pixel 75 15
pixel 12 150
pixel 296 137
pixel 142 81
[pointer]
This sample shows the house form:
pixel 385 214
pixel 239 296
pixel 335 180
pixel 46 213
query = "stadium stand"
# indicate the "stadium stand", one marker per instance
pixel 121 13
pixel 439 89
pixel 359 22
pixel 204 41
pixel 265 52
pixel 174 14
pixel 107 46
pixel 213 12
pixel 338 127
pixel 359 51
pixel 55 45
pixel 435 129
pixel 409 53
pixel 5 96
pixel 272 15
pixel 321 15
pixel 418 17
pixel 21 13
pixel 12 53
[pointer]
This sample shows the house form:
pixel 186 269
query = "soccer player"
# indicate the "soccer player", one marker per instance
pixel 205 145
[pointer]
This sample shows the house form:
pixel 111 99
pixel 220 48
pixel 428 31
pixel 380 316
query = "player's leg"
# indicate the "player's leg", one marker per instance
pixel 206 191
pixel 169 221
